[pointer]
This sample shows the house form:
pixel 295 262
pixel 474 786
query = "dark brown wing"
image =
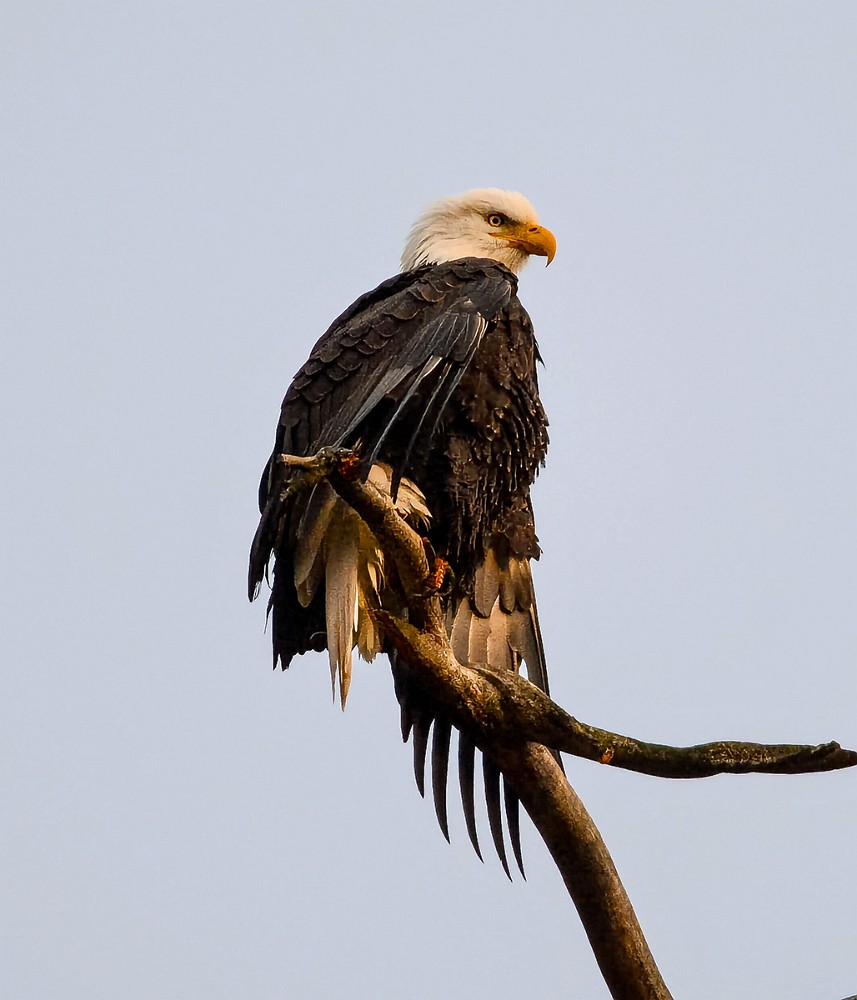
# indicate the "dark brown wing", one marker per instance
pixel 384 373
pixel 432 373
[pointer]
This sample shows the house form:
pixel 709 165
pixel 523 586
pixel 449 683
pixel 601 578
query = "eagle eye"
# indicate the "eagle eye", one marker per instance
pixel 495 219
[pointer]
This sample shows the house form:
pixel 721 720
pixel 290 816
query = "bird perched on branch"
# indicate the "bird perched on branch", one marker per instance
pixel 432 378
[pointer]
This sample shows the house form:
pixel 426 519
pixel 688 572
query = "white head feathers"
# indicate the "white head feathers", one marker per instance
pixel 485 222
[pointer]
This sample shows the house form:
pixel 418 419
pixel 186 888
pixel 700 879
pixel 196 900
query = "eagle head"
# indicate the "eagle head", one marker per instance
pixel 485 222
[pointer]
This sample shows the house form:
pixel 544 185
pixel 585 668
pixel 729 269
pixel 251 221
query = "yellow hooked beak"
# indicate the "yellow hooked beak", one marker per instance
pixel 531 238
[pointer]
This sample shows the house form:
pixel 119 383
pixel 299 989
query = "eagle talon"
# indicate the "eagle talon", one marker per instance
pixel 303 472
pixel 349 467
pixel 434 581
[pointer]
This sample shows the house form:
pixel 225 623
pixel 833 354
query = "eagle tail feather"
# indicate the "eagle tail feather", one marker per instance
pixel 341 569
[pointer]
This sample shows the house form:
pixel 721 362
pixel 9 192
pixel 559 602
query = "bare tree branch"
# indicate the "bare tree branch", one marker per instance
pixel 513 722
pixel 507 709
pixel 587 869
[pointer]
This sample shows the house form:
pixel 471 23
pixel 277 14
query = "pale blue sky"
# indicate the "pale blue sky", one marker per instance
pixel 191 193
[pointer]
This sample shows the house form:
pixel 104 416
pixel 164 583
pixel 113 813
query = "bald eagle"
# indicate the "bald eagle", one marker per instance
pixel 432 378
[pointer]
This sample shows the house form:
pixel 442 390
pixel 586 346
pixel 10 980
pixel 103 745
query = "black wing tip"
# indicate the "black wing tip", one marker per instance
pixel 420 731
pixel 491 777
pixel 439 771
pixel 513 824
pixel 466 759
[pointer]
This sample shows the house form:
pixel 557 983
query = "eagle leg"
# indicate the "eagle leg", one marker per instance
pixel 349 467
pixel 434 581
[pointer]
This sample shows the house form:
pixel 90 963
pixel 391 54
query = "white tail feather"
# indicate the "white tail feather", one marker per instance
pixel 499 625
pixel 340 561
pixel 335 546
pixel 309 550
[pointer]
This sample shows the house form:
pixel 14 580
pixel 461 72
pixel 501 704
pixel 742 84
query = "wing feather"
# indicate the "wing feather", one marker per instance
pixel 439 770
pixel 421 724
pixel 392 362
pixel 513 823
pixel 491 777
pixel 466 761
pixel 386 344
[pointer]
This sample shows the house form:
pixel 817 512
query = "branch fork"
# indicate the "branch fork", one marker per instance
pixel 517 725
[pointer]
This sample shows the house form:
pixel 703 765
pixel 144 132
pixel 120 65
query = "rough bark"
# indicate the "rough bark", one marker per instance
pixel 513 723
